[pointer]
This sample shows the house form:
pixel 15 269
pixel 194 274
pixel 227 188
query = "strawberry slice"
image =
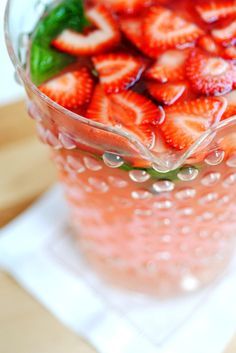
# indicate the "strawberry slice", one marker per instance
pixel 71 90
pixel 128 7
pixel 131 108
pixel 230 53
pixel 170 66
pixel 208 44
pixel 128 110
pixel 227 35
pixel 186 121
pixel 163 29
pixel 213 10
pixel 231 108
pixel 132 27
pixel 167 93
pixel 118 72
pixel 105 37
pixel 99 108
pixel 161 147
pixel 209 75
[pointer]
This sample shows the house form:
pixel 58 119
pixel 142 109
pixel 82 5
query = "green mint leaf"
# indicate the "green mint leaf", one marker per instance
pixel 45 62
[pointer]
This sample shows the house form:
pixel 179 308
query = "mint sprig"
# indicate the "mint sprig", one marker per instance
pixel 46 62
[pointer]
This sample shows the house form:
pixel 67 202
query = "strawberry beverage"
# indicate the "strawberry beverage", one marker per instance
pixel 137 100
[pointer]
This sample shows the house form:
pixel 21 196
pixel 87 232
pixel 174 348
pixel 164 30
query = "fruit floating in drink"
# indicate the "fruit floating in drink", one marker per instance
pixel 138 101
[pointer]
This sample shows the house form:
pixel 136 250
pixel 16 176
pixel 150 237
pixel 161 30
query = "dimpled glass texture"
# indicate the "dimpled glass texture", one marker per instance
pixel 140 231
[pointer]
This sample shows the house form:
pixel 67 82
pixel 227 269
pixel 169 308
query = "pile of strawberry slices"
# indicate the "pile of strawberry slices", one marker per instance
pixel 163 70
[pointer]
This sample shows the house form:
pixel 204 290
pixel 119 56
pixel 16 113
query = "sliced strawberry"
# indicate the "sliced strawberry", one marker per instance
pixel 131 108
pixel 209 75
pixel 227 35
pixel 118 71
pixel 167 93
pixel 99 108
pixel 127 110
pixel 208 44
pixel 163 29
pixel 71 89
pixel 128 7
pixel 186 121
pixel 105 37
pixel 160 147
pixel 231 108
pixel 230 53
pixel 228 144
pixel 170 66
pixel 132 28
pixel 214 10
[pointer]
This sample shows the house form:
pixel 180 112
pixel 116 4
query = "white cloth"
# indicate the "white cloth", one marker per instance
pixel 37 250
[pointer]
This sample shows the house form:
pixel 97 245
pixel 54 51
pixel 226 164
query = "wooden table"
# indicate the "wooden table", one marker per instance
pixel 25 326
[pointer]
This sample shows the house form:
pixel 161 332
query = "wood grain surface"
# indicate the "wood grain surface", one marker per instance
pixel 26 171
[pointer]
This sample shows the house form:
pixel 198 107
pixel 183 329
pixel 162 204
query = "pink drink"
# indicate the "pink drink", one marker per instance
pixel 149 176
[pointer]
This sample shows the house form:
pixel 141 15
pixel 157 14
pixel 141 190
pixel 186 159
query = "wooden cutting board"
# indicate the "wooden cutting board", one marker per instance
pixel 26 171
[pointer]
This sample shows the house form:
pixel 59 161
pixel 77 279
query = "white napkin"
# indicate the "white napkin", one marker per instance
pixel 38 251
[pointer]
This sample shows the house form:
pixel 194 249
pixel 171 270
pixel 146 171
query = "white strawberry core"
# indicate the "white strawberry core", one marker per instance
pixel 216 12
pixel 215 67
pixel 172 59
pixel 225 33
pixel 167 25
pixel 65 83
pixel 114 71
pixel 96 37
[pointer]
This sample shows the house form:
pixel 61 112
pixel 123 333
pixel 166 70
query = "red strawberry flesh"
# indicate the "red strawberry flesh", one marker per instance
pixel 71 90
pixel 186 121
pixel 209 75
pixel 105 37
pixel 118 72
pixel 167 93
pixel 163 29
pixel 214 10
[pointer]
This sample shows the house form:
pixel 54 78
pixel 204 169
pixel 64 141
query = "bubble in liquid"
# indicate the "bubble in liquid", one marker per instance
pixel 139 176
pixel 185 230
pixel 211 178
pixel 188 173
pixel 185 194
pixel 163 186
pixel 141 195
pixel 98 184
pixel 190 283
pixel 66 141
pixel 231 161
pixel 163 204
pixel 187 211
pixel 117 182
pixel 75 164
pixel 52 140
pixel 163 256
pixel 230 180
pixel 92 164
pixel 143 212
pixel 112 160
pixel 166 238
pixel 215 157
pixel 212 196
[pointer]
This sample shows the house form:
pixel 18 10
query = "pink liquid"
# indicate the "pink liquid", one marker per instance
pixel 159 237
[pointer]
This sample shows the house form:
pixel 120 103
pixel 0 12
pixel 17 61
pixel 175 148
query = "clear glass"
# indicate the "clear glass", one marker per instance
pixel 140 231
